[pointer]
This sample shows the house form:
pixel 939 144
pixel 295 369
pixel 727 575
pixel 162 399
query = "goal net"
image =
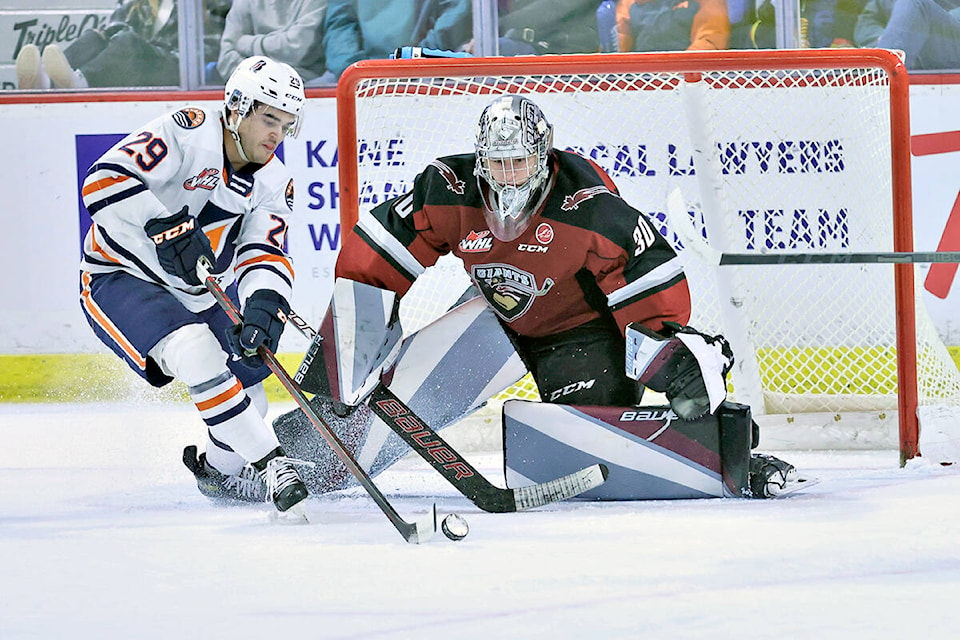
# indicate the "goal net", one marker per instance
pixel 783 151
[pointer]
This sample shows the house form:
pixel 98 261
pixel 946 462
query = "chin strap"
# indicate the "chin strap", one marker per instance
pixel 232 128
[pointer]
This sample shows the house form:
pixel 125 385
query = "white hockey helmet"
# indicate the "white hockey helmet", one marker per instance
pixel 513 128
pixel 259 79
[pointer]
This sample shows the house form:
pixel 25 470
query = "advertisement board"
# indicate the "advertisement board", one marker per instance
pixel 51 144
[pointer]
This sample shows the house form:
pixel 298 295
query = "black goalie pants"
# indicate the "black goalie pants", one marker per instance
pixel 584 365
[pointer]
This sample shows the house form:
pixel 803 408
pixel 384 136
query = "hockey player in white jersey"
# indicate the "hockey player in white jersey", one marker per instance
pixel 203 184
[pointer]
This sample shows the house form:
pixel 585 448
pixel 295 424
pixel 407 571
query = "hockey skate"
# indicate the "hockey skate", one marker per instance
pixel 246 486
pixel 772 477
pixel 283 484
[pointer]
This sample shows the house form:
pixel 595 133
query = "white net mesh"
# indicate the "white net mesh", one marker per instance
pixel 787 160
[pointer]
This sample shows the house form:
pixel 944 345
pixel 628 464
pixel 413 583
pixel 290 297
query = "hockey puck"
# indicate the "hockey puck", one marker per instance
pixel 454 527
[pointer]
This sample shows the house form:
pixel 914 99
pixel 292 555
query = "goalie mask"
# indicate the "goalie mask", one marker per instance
pixel 257 81
pixel 513 146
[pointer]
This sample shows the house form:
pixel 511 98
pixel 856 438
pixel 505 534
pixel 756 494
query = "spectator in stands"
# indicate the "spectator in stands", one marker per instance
pixel 673 25
pixel 214 22
pixel 139 47
pixel 534 27
pixel 287 31
pixel 364 29
pixel 823 23
pixel 927 31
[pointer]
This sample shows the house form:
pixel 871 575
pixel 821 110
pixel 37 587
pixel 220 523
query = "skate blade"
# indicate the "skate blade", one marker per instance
pixel 796 485
pixel 296 514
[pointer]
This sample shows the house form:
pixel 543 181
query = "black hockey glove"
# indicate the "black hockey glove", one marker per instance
pixel 264 315
pixel 180 244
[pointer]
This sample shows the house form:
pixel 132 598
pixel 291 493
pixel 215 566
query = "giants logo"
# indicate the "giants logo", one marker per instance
pixel 573 201
pixel 477 242
pixel 207 179
pixel 510 291
pixel 454 183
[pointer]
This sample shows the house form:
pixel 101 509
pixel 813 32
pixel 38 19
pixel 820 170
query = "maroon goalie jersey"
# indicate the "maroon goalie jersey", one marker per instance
pixel 586 252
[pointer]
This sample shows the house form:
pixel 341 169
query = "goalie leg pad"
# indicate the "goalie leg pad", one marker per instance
pixel 445 371
pixel 650 452
pixel 359 337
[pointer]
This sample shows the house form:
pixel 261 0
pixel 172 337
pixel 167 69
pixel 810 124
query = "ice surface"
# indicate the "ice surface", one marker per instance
pixel 104 535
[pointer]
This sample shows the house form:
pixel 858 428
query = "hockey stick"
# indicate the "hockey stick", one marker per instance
pixel 681 224
pixel 452 466
pixel 414 532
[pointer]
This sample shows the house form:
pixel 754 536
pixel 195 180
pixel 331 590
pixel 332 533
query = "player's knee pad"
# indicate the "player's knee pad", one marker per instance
pixel 191 354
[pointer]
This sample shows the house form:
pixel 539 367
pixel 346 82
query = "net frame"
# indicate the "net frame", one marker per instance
pixel 507 75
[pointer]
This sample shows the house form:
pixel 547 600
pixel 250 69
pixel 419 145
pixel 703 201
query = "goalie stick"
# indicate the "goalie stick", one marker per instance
pixel 413 532
pixel 451 465
pixel 681 224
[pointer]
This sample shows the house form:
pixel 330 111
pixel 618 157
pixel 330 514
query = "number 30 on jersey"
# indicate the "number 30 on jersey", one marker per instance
pixel 643 235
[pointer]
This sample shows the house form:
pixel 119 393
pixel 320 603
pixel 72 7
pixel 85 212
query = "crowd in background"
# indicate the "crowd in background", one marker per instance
pixel 138 46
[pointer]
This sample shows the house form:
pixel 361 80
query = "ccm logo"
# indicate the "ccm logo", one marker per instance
pixel 172 233
pixel 532 248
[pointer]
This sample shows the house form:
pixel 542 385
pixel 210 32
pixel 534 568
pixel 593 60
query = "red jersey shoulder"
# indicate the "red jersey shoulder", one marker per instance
pixel 189 117
pixel 581 187
pixel 584 197
pixel 449 180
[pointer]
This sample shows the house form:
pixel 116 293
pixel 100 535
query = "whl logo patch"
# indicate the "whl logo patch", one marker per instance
pixel 477 242
pixel 207 179
pixel 510 291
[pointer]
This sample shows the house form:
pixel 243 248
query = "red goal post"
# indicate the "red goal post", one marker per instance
pixel 799 151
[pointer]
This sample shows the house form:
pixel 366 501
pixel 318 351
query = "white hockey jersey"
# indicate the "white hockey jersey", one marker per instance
pixel 178 160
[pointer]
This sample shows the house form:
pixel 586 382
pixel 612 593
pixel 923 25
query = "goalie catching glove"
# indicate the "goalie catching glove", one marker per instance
pixel 688 366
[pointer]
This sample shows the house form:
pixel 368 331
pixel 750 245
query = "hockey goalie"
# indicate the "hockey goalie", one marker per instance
pixel 569 283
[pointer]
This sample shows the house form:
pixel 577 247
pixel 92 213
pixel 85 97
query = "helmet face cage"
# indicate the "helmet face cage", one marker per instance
pixel 260 80
pixel 514 136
